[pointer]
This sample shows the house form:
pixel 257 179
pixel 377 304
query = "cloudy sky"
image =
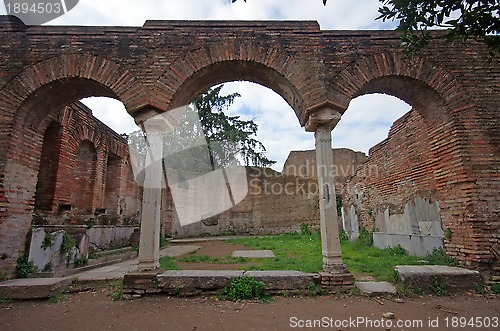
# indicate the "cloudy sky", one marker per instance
pixel 365 123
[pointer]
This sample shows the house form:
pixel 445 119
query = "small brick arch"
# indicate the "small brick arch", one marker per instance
pixel 292 77
pixel 357 78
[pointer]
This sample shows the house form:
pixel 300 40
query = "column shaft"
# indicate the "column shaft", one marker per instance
pixel 330 243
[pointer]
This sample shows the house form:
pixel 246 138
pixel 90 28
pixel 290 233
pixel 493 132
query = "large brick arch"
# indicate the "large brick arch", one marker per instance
pixel 94 76
pixel 446 107
pixel 269 65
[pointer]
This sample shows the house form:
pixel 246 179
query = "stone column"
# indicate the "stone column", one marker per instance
pixel 322 123
pixel 149 245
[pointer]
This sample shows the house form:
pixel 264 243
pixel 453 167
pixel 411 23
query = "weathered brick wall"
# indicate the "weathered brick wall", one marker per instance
pixel 165 64
pixel 398 170
pixel 70 179
pixel 275 203
pixel 345 163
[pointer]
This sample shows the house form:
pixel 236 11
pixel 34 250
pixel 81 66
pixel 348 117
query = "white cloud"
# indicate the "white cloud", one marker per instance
pixel 112 113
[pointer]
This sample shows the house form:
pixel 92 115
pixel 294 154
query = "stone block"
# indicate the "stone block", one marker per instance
pixel 33 288
pixel 284 279
pixel 375 288
pixel 204 280
pixel 453 279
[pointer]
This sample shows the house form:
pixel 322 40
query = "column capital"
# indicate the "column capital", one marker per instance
pixel 324 119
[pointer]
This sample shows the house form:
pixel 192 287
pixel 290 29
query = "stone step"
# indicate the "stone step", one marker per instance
pixel 372 289
pixel 427 277
pixel 196 281
pixel 33 288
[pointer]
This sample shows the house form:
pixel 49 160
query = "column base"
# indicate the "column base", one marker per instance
pixel 147 265
pixel 336 277
pixel 138 283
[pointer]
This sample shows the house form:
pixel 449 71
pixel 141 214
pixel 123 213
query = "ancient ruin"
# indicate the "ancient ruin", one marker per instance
pixel 439 163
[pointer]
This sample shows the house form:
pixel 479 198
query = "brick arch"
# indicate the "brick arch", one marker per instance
pixel 91 75
pixel 447 109
pixel 375 72
pixel 291 76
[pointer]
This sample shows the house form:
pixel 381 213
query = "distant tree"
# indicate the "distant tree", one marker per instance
pixel 227 137
pixel 463 19
pixel 226 131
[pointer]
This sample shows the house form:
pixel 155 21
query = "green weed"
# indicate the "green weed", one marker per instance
pixel 117 289
pixel 244 288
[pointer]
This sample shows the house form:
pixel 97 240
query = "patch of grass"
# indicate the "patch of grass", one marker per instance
pixel 379 263
pixel 56 298
pixel 6 300
pixel 293 251
pixel 495 288
pixel 244 288
pixel 193 258
pixel 168 263
pixel 117 289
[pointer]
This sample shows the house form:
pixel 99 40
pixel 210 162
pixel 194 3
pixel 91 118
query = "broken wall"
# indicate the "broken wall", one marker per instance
pixel 394 193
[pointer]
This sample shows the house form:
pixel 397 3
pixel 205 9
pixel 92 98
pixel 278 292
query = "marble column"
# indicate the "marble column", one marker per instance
pixel 322 123
pixel 149 245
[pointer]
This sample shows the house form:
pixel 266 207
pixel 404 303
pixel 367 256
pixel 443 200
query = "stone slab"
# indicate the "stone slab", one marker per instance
pixel 285 279
pixel 263 253
pixel 176 251
pixel 204 280
pixel 454 279
pixel 33 288
pixel 375 288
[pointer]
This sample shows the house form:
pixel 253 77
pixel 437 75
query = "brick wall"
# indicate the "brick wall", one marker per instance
pixel 303 163
pixel 275 203
pixel 69 166
pixel 156 67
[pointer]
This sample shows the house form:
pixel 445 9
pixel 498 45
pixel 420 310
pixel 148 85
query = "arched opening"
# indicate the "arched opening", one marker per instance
pixel 49 165
pixel 395 192
pixel 280 132
pixel 113 184
pixel 84 176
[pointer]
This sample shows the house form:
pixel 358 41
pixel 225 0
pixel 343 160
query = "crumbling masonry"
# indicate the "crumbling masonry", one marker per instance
pixel 449 152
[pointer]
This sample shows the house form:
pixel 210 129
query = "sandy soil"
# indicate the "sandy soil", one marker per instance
pixel 96 311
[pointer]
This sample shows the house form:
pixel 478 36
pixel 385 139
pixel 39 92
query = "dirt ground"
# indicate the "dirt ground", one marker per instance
pixel 97 311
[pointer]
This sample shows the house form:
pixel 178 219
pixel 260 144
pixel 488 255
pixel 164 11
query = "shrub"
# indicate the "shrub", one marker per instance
pixel 24 267
pixel 244 288
pixel 438 256
pixel 304 229
pixel 365 236
pixel 343 236
pixel 81 261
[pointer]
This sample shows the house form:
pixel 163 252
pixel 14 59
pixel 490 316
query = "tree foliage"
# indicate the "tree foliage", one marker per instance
pixel 463 19
pixel 227 130
pixel 226 137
